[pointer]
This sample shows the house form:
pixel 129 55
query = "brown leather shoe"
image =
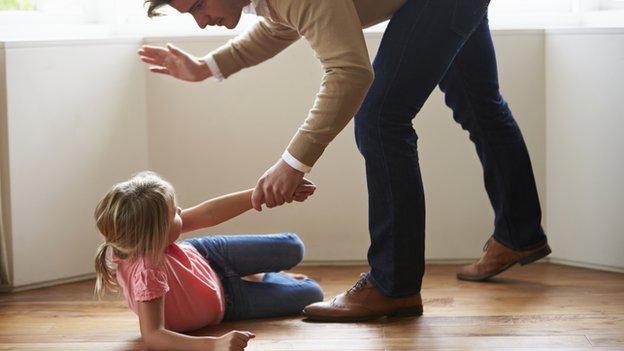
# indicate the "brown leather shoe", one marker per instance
pixel 361 303
pixel 498 258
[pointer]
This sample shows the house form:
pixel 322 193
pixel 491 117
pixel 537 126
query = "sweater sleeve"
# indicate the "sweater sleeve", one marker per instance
pixel 259 43
pixel 333 30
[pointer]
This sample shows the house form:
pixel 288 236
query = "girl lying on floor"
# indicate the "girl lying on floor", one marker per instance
pixel 181 286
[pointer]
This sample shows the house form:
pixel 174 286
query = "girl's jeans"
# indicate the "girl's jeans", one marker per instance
pixel 236 256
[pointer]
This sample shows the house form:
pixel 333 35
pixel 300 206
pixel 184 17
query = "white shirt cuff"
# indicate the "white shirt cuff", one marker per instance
pixel 294 163
pixel 212 65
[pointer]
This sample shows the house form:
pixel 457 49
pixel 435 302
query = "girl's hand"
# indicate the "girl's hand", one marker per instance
pixel 306 188
pixel 233 341
pixel 174 62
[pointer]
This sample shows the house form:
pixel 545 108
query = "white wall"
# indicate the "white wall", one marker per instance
pixel 211 138
pixel 5 230
pixel 76 124
pixel 585 148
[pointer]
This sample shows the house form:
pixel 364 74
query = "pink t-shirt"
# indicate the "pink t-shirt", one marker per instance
pixel 192 290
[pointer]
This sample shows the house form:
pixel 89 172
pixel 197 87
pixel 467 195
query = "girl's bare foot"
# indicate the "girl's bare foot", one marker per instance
pixel 254 277
pixel 260 276
pixel 297 276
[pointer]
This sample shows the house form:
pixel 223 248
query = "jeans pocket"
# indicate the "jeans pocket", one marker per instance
pixel 467 14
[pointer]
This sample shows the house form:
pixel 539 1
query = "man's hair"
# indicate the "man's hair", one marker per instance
pixel 153 5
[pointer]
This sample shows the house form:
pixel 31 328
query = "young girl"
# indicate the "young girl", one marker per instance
pixel 180 286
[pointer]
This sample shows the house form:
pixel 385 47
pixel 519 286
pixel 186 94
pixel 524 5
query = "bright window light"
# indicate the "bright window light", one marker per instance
pixel 17 5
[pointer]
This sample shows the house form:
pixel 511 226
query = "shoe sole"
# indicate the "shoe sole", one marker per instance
pixel 415 311
pixel 537 255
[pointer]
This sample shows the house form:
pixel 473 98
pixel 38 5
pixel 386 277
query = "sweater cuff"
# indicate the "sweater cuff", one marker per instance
pixel 212 65
pixel 225 60
pixel 294 163
pixel 305 150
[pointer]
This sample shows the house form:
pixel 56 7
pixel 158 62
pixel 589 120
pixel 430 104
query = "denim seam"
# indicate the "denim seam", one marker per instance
pixel 381 105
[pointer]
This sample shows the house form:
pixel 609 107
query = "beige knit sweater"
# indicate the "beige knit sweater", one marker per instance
pixel 333 28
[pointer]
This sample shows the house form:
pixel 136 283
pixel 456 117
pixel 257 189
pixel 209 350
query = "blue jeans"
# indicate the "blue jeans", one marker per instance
pixel 443 43
pixel 236 256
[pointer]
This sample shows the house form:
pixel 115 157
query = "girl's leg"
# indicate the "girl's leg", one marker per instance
pixel 242 255
pixel 276 295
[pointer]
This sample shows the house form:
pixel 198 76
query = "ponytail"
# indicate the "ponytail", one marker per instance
pixel 105 276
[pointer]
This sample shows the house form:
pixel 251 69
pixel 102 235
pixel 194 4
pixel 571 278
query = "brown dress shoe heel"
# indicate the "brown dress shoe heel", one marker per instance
pixel 363 302
pixel 498 258
pixel 415 311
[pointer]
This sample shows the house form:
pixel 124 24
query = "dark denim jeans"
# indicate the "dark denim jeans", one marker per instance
pixel 445 43
pixel 236 256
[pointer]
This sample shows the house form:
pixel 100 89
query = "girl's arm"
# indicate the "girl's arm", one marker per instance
pixel 214 211
pixel 218 210
pixel 156 337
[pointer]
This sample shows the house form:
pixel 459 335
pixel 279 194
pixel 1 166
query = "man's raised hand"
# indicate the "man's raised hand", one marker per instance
pixel 174 62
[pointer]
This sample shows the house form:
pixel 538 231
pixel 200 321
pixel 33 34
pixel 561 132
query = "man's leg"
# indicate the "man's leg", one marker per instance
pixel 420 43
pixel 472 91
pixel 417 48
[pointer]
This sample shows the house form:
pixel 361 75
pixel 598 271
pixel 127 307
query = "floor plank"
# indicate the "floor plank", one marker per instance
pixel 539 307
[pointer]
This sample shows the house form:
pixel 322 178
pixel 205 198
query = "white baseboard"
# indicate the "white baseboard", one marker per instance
pixel 339 263
pixel 594 266
pixel 45 284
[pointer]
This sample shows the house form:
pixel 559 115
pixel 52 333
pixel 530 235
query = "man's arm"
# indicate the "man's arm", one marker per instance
pixel 259 43
pixel 334 32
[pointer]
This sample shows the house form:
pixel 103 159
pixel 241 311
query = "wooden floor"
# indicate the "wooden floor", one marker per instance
pixel 541 306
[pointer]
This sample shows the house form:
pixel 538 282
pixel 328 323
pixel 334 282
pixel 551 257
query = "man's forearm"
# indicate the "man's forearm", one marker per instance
pixel 216 211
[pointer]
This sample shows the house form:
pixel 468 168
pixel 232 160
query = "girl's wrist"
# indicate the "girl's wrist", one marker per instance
pixel 207 343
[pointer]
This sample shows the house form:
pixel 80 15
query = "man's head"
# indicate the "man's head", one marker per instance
pixel 206 12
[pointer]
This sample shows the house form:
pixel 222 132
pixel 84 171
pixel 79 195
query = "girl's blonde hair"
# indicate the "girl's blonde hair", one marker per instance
pixel 134 217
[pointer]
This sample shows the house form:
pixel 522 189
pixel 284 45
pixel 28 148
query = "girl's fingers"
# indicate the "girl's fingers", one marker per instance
pixel 240 343
pixel 306 187
pixel 304 191
pixel 245 335
pixel 257 198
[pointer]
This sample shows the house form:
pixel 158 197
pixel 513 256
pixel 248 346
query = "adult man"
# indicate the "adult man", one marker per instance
pixel 426 43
